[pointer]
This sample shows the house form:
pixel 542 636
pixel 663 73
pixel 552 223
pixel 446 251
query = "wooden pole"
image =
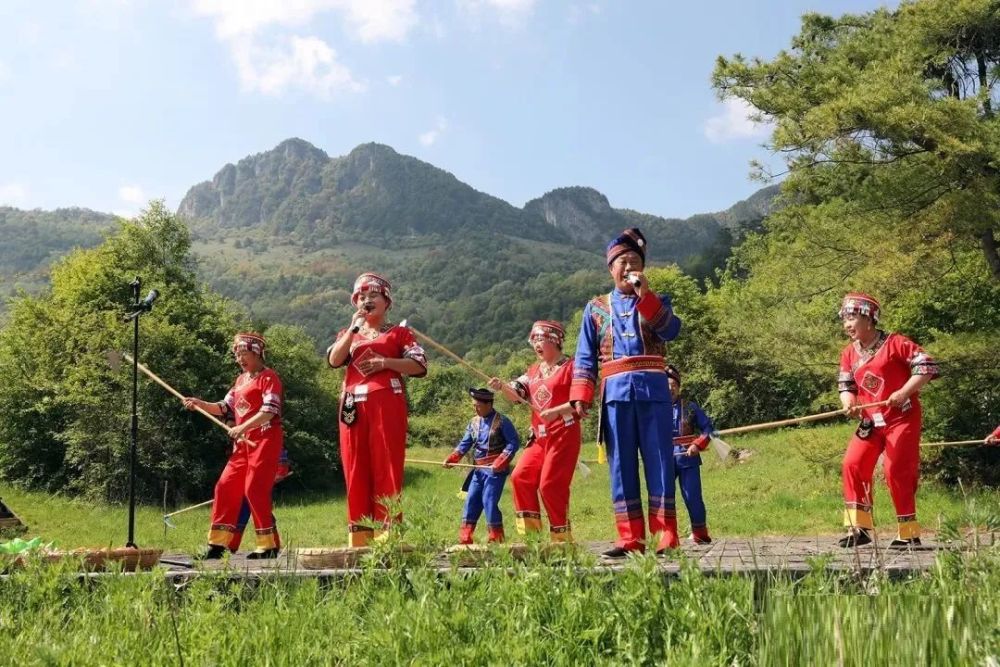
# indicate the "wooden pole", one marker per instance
pixel 441 463
pixel 188 509
pixel 955 443
pixel 796 420
pixel 155 378
pixel 441 348
pixel 466 364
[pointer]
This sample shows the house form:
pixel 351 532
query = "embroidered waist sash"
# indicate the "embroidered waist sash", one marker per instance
pixel 649 363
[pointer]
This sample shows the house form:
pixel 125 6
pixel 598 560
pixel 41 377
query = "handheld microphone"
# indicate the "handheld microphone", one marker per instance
pixel 634 280
pixel 357 327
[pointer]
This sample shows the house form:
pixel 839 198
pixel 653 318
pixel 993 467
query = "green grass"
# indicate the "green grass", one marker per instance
pixel 777 491
pixel 521 614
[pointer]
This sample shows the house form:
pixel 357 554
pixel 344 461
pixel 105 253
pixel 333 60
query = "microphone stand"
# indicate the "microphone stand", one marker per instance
pixel 137 307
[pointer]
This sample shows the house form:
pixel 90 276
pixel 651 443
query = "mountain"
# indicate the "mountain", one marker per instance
pixel 298 193
pixel 31 240
pixel 588 218
pixel 297 190
pixel 285 232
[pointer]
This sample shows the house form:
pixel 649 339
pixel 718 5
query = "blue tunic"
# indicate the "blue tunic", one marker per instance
pixel 633 404
pixel 489 437
pixel 688 418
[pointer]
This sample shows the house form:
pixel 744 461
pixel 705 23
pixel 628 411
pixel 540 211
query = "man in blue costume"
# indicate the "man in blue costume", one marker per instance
pixel 621 342
pixel 692 431
pixel 494 441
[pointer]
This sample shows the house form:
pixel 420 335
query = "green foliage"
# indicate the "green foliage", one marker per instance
pixel 31 240
pixel 887 123
pixel 64 410
pixel 310 409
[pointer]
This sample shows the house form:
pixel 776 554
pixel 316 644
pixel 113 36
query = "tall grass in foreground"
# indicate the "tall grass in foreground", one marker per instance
pixel 518 614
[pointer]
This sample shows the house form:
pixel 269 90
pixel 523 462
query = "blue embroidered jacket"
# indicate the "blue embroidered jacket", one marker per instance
pixel 621 325
pixel 491 436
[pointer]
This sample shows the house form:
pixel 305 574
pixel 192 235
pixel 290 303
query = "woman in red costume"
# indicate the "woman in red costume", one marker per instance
pixel 877 367
pixel 373 416
pixel 254 404
pixel 546 467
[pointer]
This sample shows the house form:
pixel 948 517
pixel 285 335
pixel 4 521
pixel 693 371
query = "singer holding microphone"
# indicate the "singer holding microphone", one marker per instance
pixel 373 414
pixel 621 342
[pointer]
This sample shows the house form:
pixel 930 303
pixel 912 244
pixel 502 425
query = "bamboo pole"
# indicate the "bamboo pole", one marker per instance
pixel 795 420
pixel 469 366
pixel 956 443
pixel 441 463
pixel 155 378
pixel 188 509
pixel 166 517
pixel 441 348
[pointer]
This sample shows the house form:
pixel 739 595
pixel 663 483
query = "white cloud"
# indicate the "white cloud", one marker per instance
pixel 131 198
pixel 513 13
pixel 277 61
pixel 733 122
pixel 431 136
pixel 369 20
pixel 131 194
pixel 394 80
pixel 13 194
pixel 306 63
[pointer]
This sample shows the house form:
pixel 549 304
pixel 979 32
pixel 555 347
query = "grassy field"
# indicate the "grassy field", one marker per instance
pixel 789 485
pixel 521 613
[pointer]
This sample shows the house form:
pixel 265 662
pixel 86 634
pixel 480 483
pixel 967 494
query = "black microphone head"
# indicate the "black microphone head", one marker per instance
pixel 150 298
pixel 634 280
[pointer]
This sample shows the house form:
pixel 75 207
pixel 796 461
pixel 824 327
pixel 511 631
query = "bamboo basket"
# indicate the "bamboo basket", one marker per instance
pixel 97 560
pixel 331 558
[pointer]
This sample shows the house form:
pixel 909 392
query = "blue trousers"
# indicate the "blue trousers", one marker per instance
pixel 484 494
pixel 633 429
pixel 690 479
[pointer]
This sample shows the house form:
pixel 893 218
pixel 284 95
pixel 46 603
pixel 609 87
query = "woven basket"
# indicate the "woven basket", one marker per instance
pixel 133 559
pixel 95 560
pixel 334 558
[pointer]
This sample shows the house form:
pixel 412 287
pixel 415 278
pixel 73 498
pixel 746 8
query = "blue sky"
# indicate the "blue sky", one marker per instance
pixel 109 103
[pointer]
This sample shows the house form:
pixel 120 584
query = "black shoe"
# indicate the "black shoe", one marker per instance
pixel 856 538
pixel 904 544
pixel 266 554
pixel 615 552
pixel 213 552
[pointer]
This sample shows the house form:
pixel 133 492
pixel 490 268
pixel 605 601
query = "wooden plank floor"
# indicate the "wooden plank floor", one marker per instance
pixel 794 556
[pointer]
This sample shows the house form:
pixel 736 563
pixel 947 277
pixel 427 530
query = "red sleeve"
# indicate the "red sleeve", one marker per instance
pixel 913 355
pixel 329 349
pixel 845 378
pixel 410 349
pixel 273 393
pixel 996 432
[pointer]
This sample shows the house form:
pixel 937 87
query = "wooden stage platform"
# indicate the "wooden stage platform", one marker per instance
pixel 788 556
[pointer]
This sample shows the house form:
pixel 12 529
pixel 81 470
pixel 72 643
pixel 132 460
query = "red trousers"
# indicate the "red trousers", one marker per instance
pixel 546 469
pixel 900 441
pixel 372 452
pixel 249 474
